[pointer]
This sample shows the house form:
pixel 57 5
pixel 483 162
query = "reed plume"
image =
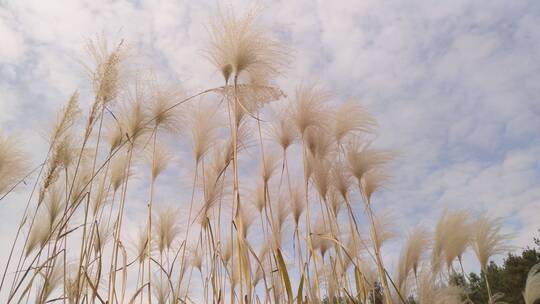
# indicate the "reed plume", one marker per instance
pixel 321 237
pixel 488 239
pixel 532 287
pixel 411 255
pixel 39 235
pixel 341 179
pixel 283 132
pixel 104 233
pixel 118 171
pixel 163 111
pixel 49 285
pixel 281 214
pixel 268 166
pixel 66 119
pixel 246 217
pixel 457 235
pixel 351 118
pixel 141 244
pixel 161 290
pixel 362 159
pixel 239 44
pixel 13 164
pixel 54 204
pixel 309 107
pixel 259 196
pixel 297 202
pixel 203 129
pixel 487 242
pixel 167 227
pixel 321 170
pixel 115 135
pixel 133 118
pixel 106 74
pixel 158 159
pixel 385 228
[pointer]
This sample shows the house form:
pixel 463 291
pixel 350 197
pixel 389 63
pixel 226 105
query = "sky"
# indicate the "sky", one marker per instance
pixel 454 86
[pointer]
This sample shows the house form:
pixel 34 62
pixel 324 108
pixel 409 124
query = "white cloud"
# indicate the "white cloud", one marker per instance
pixel 13 46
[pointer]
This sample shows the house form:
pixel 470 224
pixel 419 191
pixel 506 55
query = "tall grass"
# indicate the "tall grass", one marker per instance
pixel 302 228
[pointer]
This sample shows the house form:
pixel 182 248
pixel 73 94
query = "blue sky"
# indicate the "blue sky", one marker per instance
pixel 454 85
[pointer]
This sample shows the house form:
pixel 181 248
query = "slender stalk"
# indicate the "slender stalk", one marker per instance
pixel 380 265
pixel 490 296
pixel 118 229
pixel 149 228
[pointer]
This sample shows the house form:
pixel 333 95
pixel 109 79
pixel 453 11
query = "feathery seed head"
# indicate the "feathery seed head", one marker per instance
pixel 107 73
pixel 281 213
pixel 239 44
pixel 320 237
pixel 13 163
pixel 259 200
pixel 321 169
pixel 104 232
pixel 54 203
pixel 283 132
pixel 167 227
pixel 385 228
pixel 309 107
pixel 141 243
pixel 39 235
pixel 66 150
pixel 114 135
pixel 351 118
pixel 488 239
pixel 372 181
pixel 452 237
pixel 532 286
pixel 297 201
pixel 159 158
pixel 411 255
pixel 66 118
pixel 246 217
pixel 341 179
pixel 133 118
pixel 203 128
pixel 161 289
pixel 196 259
pixel 49 284
pixel 335 201
pixel 164 111
pixel 118 171
pixel 363 159
pixel 268 166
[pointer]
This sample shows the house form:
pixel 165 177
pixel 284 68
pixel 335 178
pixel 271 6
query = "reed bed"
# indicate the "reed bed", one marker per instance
pixel 300 228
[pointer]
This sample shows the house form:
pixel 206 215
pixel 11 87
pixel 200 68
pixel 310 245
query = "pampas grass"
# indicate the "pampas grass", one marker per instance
pixel 487 242
pixel 13 164
pixel 351 118
pixel 167 228
pixel 159 159
pixel 239 44
pixel 303 227
pixel 411 256
pixel 203 129
pixel 532 287
pixel 107 69
pixel 309 107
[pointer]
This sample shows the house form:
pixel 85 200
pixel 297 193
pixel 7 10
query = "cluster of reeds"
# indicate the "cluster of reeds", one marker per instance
pixel 300 229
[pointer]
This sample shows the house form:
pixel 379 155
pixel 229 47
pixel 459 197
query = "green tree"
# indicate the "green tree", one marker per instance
pixel 508 279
